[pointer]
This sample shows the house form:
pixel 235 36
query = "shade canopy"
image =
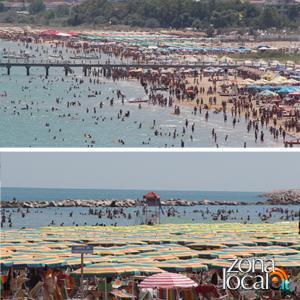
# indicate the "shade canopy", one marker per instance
pixel 168 280
pixel 151 196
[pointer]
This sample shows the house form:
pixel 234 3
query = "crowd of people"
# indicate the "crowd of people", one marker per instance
pixel 119 216
pixel 57 284
pixel 199 92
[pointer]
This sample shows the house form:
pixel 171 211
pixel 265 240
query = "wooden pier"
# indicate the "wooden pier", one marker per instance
pixel 85 66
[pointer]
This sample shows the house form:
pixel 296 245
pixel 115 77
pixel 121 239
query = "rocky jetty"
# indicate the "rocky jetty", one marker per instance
pixel 283 197
pixel 107 203
pixel 274 198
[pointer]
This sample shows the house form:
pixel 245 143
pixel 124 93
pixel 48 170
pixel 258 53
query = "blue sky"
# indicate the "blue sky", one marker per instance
pixel 217 171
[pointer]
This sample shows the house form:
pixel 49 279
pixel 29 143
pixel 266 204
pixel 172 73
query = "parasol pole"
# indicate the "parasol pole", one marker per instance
pixel 132 289
pixel 105 289
pixel 81 277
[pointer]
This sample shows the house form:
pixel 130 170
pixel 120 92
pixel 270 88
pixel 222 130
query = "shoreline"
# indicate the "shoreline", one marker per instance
pixel 209 90
pixel 187 103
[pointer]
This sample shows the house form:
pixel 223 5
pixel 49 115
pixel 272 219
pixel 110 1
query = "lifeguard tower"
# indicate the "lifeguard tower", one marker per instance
pixel 152 207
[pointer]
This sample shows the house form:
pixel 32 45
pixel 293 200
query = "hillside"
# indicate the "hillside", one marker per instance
pixel 204 14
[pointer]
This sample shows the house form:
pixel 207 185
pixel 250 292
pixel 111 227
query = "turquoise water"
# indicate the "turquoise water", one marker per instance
pixel 20 127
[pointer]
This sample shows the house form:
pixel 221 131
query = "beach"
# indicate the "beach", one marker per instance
pixel 33 208
pixel 140 107
pixel 131 254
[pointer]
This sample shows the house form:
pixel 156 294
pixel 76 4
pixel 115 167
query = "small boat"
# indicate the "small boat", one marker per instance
pixel 84 57
pixel 12 56
pixel 138 100
pixel 55 56
pixel 92 95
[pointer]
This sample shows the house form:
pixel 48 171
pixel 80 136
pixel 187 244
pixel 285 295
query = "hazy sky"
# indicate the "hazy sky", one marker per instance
pixel 160 171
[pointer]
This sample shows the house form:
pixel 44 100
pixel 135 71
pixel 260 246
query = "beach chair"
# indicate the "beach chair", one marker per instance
pixel 35 291
pixel 234 295
pixel 17 286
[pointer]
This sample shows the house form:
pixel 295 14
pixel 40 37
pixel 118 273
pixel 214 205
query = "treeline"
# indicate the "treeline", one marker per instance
pixel 184 13
pixel 213 14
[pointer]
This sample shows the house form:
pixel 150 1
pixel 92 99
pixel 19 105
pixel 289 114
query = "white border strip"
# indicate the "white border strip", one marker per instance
pixel 162 150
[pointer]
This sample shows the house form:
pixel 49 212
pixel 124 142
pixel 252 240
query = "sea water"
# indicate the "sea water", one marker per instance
pixel 20 127
pixel 80 215
pixel 51 194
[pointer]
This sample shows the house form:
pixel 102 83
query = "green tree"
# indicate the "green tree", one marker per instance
pixel 152 23
pixel 74 20
pixel 269 18
pixel 36 6
pixel 197 24
pixel 48 15
pixel 2 7
pixel 62 11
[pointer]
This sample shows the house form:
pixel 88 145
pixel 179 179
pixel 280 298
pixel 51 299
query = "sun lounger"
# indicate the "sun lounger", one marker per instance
pixel 36 290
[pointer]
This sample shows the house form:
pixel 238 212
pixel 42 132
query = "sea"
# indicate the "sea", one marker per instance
pixel 72 216
pixel 29 105
pixel 49 194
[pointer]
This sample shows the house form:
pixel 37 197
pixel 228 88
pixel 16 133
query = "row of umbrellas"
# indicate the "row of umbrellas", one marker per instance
pixel 172 247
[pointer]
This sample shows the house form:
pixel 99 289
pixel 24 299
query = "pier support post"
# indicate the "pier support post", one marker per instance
pixel 27 70
pixel 47 71
pixel 8 70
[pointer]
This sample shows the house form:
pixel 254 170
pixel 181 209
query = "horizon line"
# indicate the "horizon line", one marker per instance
pixel 140 189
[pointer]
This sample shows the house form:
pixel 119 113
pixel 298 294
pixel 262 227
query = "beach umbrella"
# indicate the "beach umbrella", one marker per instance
pixel 182 266
pixel 267 93
pixel 168 280
pixel 286 90
pixel 105 270
pixel 145 268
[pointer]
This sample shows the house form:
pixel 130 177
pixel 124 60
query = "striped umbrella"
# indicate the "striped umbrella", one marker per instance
pixel 167 280
pixel 182 266
pixel 105 270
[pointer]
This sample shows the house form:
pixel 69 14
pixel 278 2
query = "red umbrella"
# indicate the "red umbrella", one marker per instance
pixel 167 280
pixel 151 195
